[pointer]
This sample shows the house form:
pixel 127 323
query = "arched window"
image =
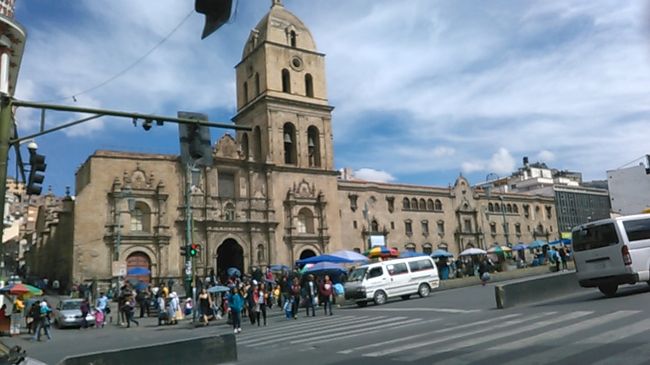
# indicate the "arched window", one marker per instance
pixel 497 207
pixel 257 133
pixel 309 86
pixel 429 204
pixel 286 81
pixel 414 204
pixel 257 83
pixel 245 90
pixel 289 136
pixel 423 204
pixel 410 247
pixel 490 207
pixel 305 222
pixel 515 208
pixel 229 212
pixel 509 208
pixel 313 146
pixel 438 205
pixel 406 204
pixel 374 226
pixel 244 145
pixel 427 248
pixel 292 38
pixel 261 255
pixel 140 218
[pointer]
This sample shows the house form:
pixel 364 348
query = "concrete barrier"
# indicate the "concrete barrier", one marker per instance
pixel 532 290
pixel 201 350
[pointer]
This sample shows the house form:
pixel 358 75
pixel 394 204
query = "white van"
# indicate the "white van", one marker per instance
pixel 392 278
pixel 611 252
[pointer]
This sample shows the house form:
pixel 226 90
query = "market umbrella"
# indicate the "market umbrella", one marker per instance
pixel 520 247
pixel 324 266
pixel 382 251
pixel 537 244
pixel 233 271
pixel 473 251
pixel 321 258
pixel 20 289
pixel 350 256
pixel 138 271
pixel 560 242
pixel 279 268
pixel 412 254
pixel 498 249
pixel 218 289
pixel 441 253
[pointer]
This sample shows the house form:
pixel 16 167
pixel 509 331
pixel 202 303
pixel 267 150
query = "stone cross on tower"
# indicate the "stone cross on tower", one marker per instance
pixel 276 2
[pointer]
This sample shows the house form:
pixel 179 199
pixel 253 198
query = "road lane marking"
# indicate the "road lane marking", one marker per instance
pixel 492 337
pixel 456 336
pixel 319 336
pixel 443 330
pixel 263 334
pixel 320 331
pixel 404 324
pixel 439 310
pixel 298 324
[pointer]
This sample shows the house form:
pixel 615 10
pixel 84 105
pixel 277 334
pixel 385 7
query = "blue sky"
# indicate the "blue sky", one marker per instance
pixel 423 90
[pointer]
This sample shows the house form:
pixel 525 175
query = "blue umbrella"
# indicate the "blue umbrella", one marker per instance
pixel 441 253
pixel 323 258
pixel 519 247
pixel 350 256
pixel 279 268
pixel 138 271
pixel 218 289
pixel 537 244
pixel 325 266
pixel 233 271
pixel 412 254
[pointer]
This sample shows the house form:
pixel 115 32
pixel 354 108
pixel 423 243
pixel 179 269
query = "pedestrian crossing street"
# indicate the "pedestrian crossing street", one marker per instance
pixel 489 337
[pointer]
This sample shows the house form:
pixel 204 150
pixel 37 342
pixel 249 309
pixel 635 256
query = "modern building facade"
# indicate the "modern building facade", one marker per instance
pixel 273 195
pixel 629 188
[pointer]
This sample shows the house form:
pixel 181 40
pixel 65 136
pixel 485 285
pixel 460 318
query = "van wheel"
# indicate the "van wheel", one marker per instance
pixel 608 290
pixel 362 304
pixel 380 297
pixel 424 290
pixel 406 296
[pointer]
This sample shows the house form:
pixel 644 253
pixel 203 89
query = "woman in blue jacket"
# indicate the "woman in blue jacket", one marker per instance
pixel 236 302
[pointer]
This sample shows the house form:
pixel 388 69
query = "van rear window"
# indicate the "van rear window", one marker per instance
pixel 595 237
pixel 637 230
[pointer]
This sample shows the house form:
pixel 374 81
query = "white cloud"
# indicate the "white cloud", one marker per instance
pixel 373 175
pixel 502 162
pixel 472 166
pixel 442 151
pixel 546 156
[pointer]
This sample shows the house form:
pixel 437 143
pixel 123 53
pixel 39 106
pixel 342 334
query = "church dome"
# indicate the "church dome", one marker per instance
pixel 280 26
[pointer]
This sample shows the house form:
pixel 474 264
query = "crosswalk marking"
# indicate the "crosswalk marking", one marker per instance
pixel 300 324
pixel 453 337
pixel 495 336
pixel 553 355
pixel 440 310
pixel 634 356
pixel 443 330
pixel 321 331
pixel 404 324
pixel 359 330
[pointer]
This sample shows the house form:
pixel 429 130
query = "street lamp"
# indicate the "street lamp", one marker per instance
pixel 505 225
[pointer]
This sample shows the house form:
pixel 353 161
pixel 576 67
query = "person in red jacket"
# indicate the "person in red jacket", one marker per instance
pixel 326 291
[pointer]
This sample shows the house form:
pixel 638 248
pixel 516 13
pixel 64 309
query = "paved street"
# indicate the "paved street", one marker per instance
pixel 459 326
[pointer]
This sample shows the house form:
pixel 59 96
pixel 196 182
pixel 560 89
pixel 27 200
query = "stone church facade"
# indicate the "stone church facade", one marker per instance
pixel 273 194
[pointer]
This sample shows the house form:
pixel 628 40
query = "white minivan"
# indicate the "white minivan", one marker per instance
pixel 611 252
pixel 379 281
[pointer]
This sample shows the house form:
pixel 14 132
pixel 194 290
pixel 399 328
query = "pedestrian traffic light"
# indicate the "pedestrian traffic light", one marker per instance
pixel 196 144
pixel 183 250
pixel 194 249
pixel 36 177
pixel 217 13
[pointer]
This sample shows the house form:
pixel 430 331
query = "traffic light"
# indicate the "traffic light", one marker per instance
pixel 217 13
pixel 194 249
pixel 36 177
pixel 196 144
pixel 183 250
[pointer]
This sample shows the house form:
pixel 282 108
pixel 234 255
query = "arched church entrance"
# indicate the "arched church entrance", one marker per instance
pixel 307 254
pixel 229 254
pixel 138 267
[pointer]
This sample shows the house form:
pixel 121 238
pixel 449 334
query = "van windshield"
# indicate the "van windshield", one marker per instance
pixel 358 274
pixel 595 237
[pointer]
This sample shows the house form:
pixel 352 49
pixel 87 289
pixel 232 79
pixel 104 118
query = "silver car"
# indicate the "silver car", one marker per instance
pixel 68 314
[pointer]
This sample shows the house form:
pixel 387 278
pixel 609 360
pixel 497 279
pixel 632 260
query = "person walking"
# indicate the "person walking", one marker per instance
pixel 102 306
pixel 311 297
pixel 326 291
pixel 129 311
pixel 294 292
pixel 563 257
pixel 43 322
pixel 236 305
pixel 143 297
pixel 483 271
pixel 261 299
pixel 250 300
pixel 85 309
pixel 33 316
pixel 205 306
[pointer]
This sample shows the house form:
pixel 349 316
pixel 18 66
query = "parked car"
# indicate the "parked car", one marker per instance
pixel 68 314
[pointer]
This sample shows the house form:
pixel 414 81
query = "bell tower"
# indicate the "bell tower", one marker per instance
pixel 282 95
